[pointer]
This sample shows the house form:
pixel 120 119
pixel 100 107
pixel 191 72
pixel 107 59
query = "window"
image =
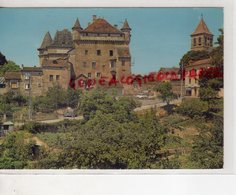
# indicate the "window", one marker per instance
pixel 26 77
pixel 14 85
pixel 111 52
pixel 189 80
pixel 194 42
pixel 123 62
pixel 98 74
pixel 199 41
pixel 27 86
pixel 195 81
pixel 93 65
pixel 86 52
pixel 89 75
pixel 99 52
pixel 50 77
pixel 57 77
pixel 113 63
pixel 84 64
pixel 54 62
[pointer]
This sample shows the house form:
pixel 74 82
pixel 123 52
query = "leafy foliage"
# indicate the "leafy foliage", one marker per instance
pixel 193 108
pixel 16 151
pixel 166 93
pixel 9 66
pixel 52 100
pixel 194 55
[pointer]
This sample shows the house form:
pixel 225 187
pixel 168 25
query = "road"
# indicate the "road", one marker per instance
pixel 61 119
pixel 157 104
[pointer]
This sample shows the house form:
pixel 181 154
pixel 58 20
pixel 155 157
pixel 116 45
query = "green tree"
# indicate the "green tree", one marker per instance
pixel 166 93
pixel 193 55
pixel 217 54
pixel 208 146
pixel 9 66
pixel 193 108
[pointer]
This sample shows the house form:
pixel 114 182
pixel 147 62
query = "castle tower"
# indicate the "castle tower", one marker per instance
pixel 47 41
pixel 76 29
pixel 201 38
pixel 126 30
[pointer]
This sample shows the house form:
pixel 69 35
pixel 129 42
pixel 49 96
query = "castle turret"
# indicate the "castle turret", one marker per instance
pixel 126 30
pixel 201 38
pixel 76 29
pixel 47 40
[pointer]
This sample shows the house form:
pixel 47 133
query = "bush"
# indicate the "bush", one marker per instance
pixel 193 108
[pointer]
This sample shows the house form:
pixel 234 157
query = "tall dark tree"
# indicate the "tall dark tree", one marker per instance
pixel 2 59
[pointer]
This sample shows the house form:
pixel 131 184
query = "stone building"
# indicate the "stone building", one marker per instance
pixel 27 81
pixel 201 39
pixel 100 50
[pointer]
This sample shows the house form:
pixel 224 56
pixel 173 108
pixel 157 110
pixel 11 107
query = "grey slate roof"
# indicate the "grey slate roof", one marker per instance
pixel 77 25
pixel 46 41
pixel 126 26
pixel 63 39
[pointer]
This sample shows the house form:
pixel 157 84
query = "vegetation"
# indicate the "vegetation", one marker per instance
pixel 8 66
pixel 193 55
pixel 166 93
pixel 56 98
pixel 113 136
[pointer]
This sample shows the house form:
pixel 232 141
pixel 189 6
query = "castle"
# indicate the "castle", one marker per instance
pixel 100 50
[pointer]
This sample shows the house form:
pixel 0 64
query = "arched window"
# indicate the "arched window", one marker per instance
pixel 194 42
pixel 199 41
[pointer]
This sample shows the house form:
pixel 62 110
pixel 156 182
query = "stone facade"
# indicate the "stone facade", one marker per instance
pixel 201 38
pixel 101 50
pixel 27 81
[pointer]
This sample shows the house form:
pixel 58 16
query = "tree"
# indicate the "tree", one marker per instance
pixel 217 54
pixel 208 146
pixel 193 55
pixel 166 93
pixel 9 66
pixel 2 59
pixel 193 108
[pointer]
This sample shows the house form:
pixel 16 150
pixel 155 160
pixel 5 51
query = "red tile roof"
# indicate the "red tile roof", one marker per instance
pixel 201 28
pixel 101 26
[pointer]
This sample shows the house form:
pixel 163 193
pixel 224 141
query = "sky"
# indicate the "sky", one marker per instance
pixel 159 36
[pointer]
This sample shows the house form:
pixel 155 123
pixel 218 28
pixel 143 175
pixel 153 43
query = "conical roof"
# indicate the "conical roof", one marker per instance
pixel 46 41
pixel 126 25
pixel 77 25
pixel 201 28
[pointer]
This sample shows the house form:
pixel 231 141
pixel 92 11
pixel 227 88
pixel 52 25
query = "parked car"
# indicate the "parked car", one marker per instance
pixel 142 96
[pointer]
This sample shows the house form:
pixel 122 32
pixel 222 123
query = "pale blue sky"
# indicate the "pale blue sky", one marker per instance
pixel 160 36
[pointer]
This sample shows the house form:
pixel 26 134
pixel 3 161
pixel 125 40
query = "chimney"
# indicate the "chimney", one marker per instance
pixel 94 17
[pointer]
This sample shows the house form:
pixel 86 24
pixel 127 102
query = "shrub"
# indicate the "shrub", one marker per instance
pixel 193 108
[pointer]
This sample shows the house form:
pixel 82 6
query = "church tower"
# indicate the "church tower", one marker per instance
pixel 201 38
